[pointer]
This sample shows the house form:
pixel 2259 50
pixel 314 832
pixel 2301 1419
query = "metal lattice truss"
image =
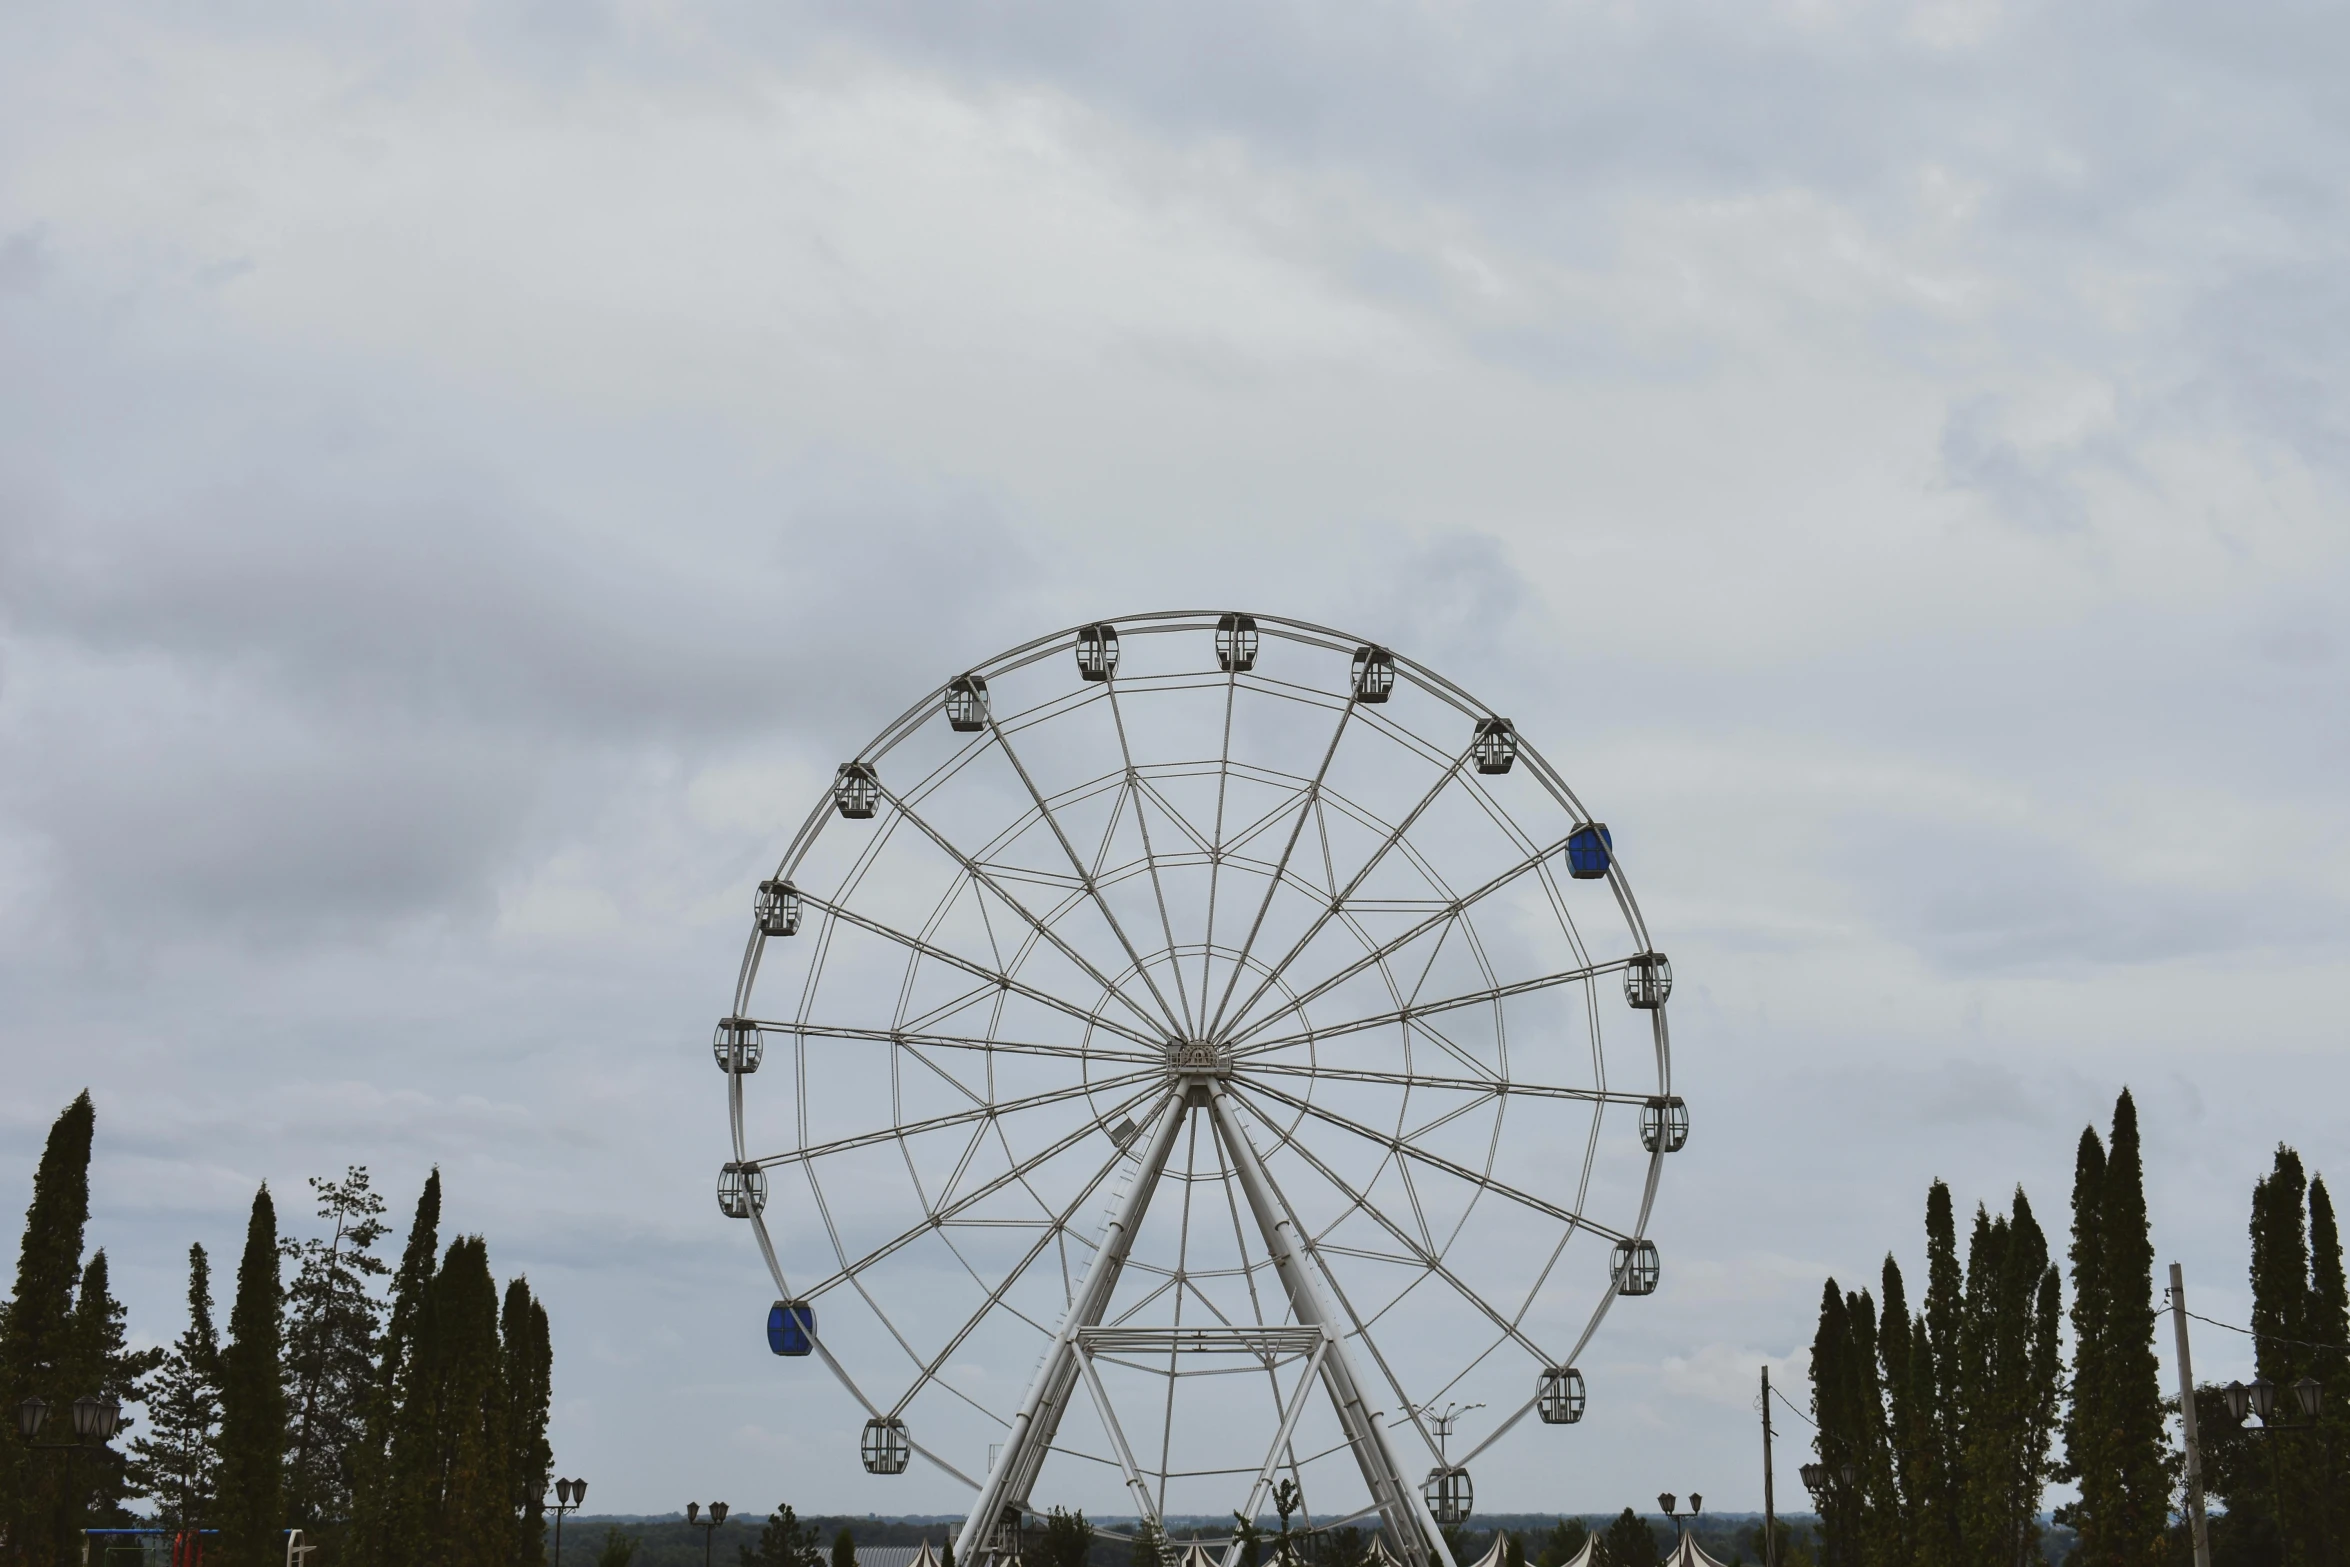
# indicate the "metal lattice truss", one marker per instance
pixel 1198 1023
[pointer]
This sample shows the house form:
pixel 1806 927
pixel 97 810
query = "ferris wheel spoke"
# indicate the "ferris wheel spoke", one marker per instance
pixel 943 1217
pixel 928 1041
pixel 1496 1087
pixel 985 1112
pixel 1386 949
pixel 1405 1150
pixel 939 954
pixel 1419 1010
pixel 1142 824
pixel 1056 1227
pixel 1257 926
pixel 1004 744
pixel 979 875
pixel 1338 899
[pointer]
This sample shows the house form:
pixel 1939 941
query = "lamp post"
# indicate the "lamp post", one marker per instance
pixel 94 1423
pixel 568 1495
pixel 1820 1481
pixel 1665 1501
pixel 693 1518
pixel 2261 1399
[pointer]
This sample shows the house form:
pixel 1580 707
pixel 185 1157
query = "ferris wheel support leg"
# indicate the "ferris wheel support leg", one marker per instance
pixel 1040 1413
pixel 1401 1506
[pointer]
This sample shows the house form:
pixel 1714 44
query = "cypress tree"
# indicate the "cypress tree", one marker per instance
pixel 36 1332
pixel 1904 1427
pixel 394 1463
pixel 105 1367
pixel 2328 1323
pixel 470 1515
pixel 2135 1446
pixel 529 1366
pixel 2088 1424
pixel 1832 1435
pixel 251 1510
pixel 2280 1311
pixel 177 1464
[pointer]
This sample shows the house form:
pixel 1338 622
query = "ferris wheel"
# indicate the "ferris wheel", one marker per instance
pixel 1168 1018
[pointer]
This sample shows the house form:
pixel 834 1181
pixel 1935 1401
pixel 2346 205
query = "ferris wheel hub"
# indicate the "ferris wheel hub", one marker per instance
pixel 1203 1058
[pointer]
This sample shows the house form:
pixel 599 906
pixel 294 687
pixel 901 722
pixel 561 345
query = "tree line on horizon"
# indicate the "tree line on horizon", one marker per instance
pixel 1938 1429
pixel 393 1422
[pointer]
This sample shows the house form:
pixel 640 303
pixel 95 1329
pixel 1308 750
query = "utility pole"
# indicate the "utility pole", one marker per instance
pixel 2197 1525
pixel 1770 1512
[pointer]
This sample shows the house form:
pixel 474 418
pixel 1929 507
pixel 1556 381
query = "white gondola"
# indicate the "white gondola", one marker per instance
pixel 1664 1124
pixel 742 1190
pixel 1374 673
pixel 1648 981
pixel 776 910
pixel 1635 1268
pixel 967 708
pixel 737 1046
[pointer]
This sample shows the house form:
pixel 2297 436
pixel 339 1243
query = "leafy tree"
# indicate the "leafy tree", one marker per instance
pixel 36 1336
pixel 1561 1543
pixel 253 1402
pixel 178 1465
pixel 1628 1542
pixel 1341 1548
pixel 1251 1538
pixel 1288 1501
pixel 1066 1542
pixel 619 1548
pixel 332 1322
pixel 1150 1546
pixel 844 1549
pixel 785 1542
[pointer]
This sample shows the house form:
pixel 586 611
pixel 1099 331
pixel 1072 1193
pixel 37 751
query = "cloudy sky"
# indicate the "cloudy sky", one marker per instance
pixel 467 472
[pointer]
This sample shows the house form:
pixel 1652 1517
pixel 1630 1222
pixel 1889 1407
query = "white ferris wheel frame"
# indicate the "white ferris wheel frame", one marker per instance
pixel 1171 1062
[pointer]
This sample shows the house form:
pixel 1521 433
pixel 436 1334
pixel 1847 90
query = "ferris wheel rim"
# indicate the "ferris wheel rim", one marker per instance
pixel 1175 1023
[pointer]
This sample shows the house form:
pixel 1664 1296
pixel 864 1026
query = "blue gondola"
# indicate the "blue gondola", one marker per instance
pixel 791 1327
pixel 1589 849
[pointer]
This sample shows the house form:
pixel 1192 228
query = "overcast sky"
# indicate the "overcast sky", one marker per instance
pixel 468 471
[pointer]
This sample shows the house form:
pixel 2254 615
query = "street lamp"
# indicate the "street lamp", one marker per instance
pixel 2261 1399
pixel 1666 1499
pixel 693 1518
pixel 568 1495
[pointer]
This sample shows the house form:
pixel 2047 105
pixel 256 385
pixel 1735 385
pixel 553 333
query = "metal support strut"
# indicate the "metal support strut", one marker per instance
pixel 1033 1428
pixel 1401 1506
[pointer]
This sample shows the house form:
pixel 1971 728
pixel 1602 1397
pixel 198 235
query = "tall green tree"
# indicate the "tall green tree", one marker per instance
pixel 2088 1421
pixel 528 1354
pixel 105 1367
pixel 1628 1542
pixel 844 1547
pixel 2329 1325
pixel 784 1542
pixel 1934 1428
pixel 333 1319
pixel 177 1464
pixel 393 1476
pixel 251 1509
pixel 469 1497
pixel 2135 1447
pixel 36 1335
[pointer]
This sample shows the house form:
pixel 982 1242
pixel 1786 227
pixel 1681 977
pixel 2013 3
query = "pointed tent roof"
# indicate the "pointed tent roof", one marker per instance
pixel 1380 1555
pixel 1497 1554
pixel 1582 1558
pixel 1195 1555
pixel 924 1557
pixel 1687 1554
